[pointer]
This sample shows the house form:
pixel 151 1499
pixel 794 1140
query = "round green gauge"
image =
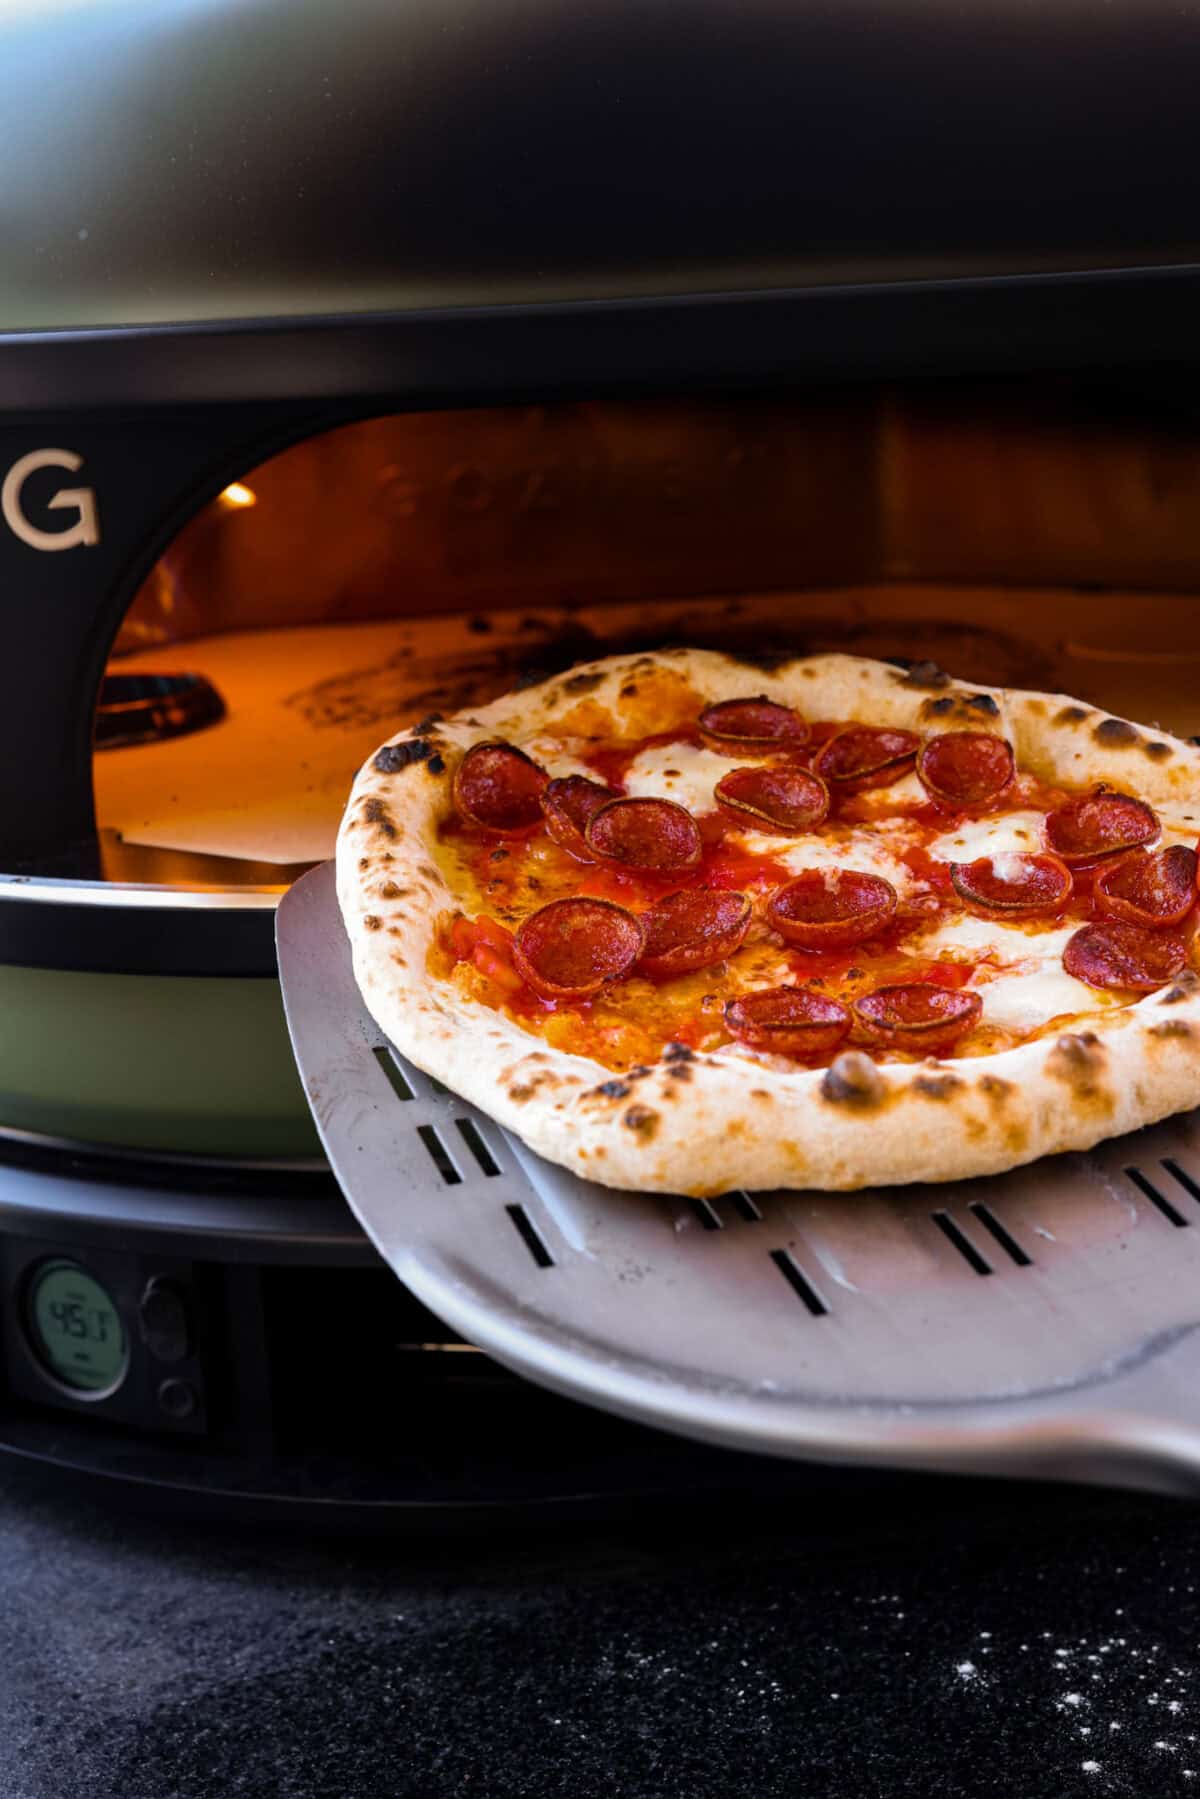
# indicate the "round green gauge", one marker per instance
pixel 76 1329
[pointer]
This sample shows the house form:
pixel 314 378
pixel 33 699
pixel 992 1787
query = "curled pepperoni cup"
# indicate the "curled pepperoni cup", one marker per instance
pixel 831 908
pixel 918 1018
pixel 788 1021
pixel 751 727
pixel 572 946
pixel 567 804
pixel 1116 954
pixel 965 769
pixel 1099 824
pixel 500 788
pixel 655 836
pixel 865 756
pixel 1013 882
pixel 778 798
pixel 693 929
pixel 1155 891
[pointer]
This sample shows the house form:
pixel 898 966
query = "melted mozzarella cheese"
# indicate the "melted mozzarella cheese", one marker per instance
pixel 679 772
pixel 1026 1002
pixel 1030 987
pixel 868 851
pixel 1007 943
pixel 1179 827
pixel 556 759
pixel 907 791
pixel 1011 832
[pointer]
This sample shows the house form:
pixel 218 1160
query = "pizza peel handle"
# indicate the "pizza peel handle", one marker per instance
pixel 1045 1321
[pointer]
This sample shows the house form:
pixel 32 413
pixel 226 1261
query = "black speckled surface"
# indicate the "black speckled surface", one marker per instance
pixel 890 1638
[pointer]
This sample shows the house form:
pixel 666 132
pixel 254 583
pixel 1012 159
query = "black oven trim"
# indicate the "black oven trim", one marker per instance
pixel 1085 318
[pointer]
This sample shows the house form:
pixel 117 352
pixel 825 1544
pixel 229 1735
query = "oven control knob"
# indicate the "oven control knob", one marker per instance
pixel 177 1398
pixel 163 1316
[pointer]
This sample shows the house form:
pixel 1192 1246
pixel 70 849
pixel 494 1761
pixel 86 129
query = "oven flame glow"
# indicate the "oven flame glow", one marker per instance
pixel 238 494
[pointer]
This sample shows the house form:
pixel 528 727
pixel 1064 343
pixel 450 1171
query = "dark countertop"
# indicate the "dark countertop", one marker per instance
pixel 890 1638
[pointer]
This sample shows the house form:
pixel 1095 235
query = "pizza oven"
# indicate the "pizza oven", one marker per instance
pixel 355 369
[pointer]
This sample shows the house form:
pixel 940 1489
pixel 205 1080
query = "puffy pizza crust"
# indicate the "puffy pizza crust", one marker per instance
pixel 734 1118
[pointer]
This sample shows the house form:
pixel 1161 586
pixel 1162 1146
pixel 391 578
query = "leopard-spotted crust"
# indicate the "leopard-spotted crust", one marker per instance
pixel 733 1118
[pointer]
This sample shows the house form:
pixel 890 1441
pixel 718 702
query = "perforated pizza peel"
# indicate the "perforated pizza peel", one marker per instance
pixel 1041 1322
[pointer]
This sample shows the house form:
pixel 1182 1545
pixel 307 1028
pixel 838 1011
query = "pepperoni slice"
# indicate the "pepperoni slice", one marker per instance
pixel 1155 891
pixel 654 835
pixel 918 1017
pixel 1098 824
pixel 783 799
pixel 567 804
pixel 790 1021
pixel 748 727
pixel 500 788
pixel 830 908
pixel 965 769
pixel 693 929
pixel 1013 882
pixel 865 756
pixel 1116 954
pixel 570 948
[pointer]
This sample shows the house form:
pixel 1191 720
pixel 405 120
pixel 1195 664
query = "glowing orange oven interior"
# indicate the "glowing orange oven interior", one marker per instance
pixel 1037 534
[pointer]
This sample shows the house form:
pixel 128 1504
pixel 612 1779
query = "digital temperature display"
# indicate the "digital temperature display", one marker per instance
pixel 76 1328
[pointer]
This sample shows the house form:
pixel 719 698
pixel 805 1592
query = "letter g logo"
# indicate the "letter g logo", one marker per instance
pixel 80 500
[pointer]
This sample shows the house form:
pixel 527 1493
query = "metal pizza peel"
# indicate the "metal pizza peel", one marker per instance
pixel 1041 1322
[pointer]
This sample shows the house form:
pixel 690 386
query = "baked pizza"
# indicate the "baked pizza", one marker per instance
pixel 686 923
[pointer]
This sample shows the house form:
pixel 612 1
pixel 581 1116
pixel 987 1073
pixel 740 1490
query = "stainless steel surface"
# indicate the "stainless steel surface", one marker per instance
pixel 1041 1322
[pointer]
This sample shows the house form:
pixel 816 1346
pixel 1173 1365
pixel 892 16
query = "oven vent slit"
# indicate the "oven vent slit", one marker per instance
pixel 799 1282
pixel 527 1231
pixel 962 1243
pixel 469 1131
pixel 1145 1185
pixel 439 1154
pixel 744 1206
pixel 393 1071
pixel 1004 1238
pixel 708 1215
pixel 1181 1176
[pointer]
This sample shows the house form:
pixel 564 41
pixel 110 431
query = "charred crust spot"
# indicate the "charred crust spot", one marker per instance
pixel 395 756
pixel 678 1052
pixel 480 625
pixel 852 1079
pixel 996 1091
pixel 431 874
pixel 641 1120
pixel 582 683
pixel 679 1071
pixel 1184 988
pixel 759 1093
pixel 372 921
pixel 983 703
pixel 427 724
pixel 630 690
pixel 1157 750
pixel 435 766
pixel 364 862
pixel 613 1090
pixel 764 661
pixel 520 1093
pixel 376 813
pixel 937 708
pixel 1172 1027
pixel 937 1086
pixel 1071 715
pixel 1079 1061
pixel 390 891
pixel 1116 733
pixel 923 674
